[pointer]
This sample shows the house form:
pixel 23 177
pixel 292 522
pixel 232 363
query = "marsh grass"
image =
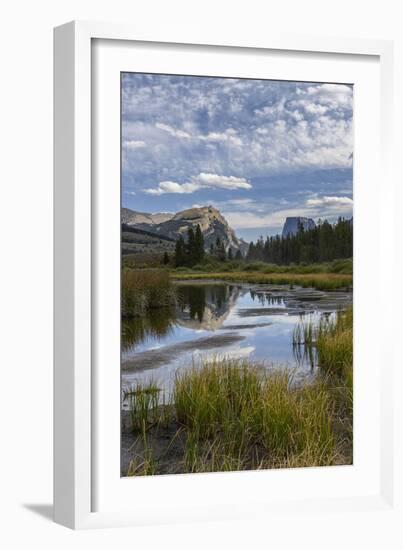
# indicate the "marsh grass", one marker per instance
pixel 236 415
pixel 143 406
pixel 331 340
pixel 144 290
pixel 321 281
pixel 334 344
pixel 342 266
pixel 143 464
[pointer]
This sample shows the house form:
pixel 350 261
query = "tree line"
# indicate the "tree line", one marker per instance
pixel 218 252
pixel 325 242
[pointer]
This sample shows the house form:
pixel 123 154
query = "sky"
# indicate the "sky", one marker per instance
pixel 258 150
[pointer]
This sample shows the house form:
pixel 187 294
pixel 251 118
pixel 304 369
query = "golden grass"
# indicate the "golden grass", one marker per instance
pixel 238 417
pixel 322 281
pixel 144 290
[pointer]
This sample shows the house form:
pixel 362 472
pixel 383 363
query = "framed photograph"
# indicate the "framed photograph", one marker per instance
pixel 218 251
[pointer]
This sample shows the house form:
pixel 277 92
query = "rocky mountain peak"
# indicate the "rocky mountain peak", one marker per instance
pixel 293 223
pixel 212 224
pixel 204 216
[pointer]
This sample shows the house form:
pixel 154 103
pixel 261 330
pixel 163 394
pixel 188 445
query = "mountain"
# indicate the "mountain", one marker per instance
pixel 140 241
pixel 292 224
pixel 212 224
pixel 131 217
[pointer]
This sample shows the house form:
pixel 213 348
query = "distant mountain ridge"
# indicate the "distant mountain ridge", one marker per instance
pixel 212 224
pixel 131 217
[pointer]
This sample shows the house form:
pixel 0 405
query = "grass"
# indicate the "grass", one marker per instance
pixel 144 464
pixel 234 415
pixel 332 343
pixel 144 290
pixel 237 417
pixel 321 281
pixel 332 340
pixel 344 266
pixel 143 406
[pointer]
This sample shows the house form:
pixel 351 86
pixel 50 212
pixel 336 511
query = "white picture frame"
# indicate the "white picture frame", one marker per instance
pixel 79 311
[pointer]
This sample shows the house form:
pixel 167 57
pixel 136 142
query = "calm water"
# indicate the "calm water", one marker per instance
pixel 253 322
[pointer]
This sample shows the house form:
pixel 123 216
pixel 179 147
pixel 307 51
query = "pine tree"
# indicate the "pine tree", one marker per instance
pixel 180 252
pixel 191 247
pixel 199 245
pixel 230 254
pixel 251 252
pixel 222 255
pixel 238 255
pixel 165 259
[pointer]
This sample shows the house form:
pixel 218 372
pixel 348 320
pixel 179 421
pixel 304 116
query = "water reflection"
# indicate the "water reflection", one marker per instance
pixel 156 324
pixel 267 299
pixel 205 307
pixel 304 355
pixel 253 322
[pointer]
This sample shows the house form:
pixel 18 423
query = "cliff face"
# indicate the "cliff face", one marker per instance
pixel 292 224
pixel 212 224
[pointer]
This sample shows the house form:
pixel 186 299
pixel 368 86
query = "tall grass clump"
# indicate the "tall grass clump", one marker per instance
pixel 228 415
pixel 332 340
pixel 239 417
pixel 144 290
pixel 334 344
pixel 144 464
pixel 209 396
pixel 143 403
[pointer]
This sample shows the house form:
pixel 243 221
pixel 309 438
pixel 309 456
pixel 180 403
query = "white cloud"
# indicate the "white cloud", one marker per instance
pixel 330 201
pixel 273 110
pixel 241 202
pixel 335 94
pixel 313 108
pixel 203 180
pixel 223 182
pixel 134 144
pixel 172 131
pixel 173 187
pixel 229 135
